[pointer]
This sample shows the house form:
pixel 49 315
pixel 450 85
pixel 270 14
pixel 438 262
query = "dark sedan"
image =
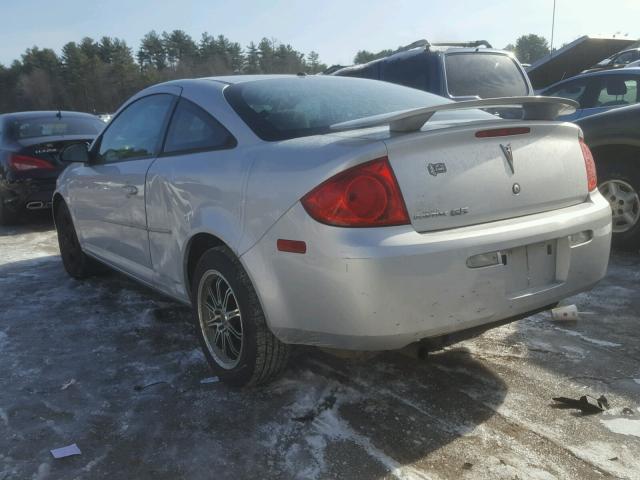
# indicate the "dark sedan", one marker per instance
pixel 614 139
pixel 598 92
pixel 30 143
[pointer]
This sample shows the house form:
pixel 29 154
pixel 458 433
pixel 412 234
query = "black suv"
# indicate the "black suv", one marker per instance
pixel 459 71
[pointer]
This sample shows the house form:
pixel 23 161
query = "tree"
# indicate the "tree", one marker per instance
pixel 152 52
pixel 97 76
pixel 364 56
pixel 179 47
pixel 252 60
pixel 266 54
pixel 313 63
pixel 530 48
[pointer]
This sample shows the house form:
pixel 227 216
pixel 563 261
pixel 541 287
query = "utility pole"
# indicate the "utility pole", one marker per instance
pixel 553 25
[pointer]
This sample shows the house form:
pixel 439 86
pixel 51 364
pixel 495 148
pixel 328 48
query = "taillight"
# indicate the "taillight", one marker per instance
pixel 502 132
pixel 366 195
pixel 590 165
pixel 21 163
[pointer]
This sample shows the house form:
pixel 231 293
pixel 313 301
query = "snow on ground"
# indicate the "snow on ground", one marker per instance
pixel 115 368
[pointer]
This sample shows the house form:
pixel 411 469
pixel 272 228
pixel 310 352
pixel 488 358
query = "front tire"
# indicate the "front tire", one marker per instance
pixel 76 263
pixel 231 326
pixel 620 185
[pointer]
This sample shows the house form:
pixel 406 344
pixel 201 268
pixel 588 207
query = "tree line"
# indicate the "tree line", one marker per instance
pixel 97 76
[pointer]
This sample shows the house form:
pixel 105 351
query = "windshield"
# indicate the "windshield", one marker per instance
pixel 484 75
pixel 290 107
pixel 21 129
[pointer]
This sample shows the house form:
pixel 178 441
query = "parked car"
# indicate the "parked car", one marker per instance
pixel 614 138
pixel 619 60
pixel 573 58
pixel 599 91
pixel 457 71
pixel 30 144
pixel 317 210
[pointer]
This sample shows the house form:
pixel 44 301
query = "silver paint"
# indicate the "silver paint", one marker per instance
pixel 365 288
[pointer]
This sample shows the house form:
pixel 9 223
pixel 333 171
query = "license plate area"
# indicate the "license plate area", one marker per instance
pixel 532 267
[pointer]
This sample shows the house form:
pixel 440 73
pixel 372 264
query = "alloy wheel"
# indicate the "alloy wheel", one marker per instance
pixel 220 319
pixel 625 204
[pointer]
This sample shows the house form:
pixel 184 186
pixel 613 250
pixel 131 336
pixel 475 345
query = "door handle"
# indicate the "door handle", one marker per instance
pixel 130 190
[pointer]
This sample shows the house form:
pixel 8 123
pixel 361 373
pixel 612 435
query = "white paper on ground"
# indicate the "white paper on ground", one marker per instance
pixel 209 380
pixel 66 451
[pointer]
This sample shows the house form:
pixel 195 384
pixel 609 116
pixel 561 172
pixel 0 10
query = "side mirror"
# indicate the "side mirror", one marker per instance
pixel 75 153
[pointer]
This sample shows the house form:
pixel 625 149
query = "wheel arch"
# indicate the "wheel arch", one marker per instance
pixel 609 153
pixel 196 246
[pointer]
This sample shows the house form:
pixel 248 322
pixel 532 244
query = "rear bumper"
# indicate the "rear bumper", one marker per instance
pixel 18 194
pixel 377 289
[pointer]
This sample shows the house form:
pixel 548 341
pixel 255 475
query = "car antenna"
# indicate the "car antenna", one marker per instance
pixel 59 115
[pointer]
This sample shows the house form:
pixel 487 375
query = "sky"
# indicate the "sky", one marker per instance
pixel 336 29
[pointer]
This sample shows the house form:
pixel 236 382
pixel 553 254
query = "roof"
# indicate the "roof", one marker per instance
pixel 45 113
pixel 233 79
pixel 601 73
pixel 430 50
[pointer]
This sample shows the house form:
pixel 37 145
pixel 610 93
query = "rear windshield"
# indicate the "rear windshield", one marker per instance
pixel 19 129
pixel 485 75
pixel 290 107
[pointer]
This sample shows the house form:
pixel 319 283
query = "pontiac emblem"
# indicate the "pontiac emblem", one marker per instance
pixel 508 153
pixel 436 168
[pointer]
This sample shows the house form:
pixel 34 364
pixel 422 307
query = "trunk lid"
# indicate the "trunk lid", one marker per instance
pixel 450 178
pixel 49 148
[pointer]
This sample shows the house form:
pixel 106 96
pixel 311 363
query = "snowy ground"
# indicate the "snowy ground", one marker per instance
pixel 114 368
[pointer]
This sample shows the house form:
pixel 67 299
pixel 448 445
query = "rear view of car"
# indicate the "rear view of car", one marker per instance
pixel 30 144
pixel 335 212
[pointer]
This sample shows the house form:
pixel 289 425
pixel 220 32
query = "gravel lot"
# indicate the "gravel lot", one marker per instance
pixel 113 367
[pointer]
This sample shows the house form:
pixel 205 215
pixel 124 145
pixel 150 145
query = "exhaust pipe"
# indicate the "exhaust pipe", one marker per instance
pixel 38 205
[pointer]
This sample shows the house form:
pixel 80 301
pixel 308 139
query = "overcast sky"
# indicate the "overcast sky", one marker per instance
pixel 336 29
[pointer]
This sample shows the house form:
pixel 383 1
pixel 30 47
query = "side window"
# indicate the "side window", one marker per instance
pixel 616 92
pixel 626 57
pixel 408 70
pixel 137 131
pixel 193 129
pixel 572 91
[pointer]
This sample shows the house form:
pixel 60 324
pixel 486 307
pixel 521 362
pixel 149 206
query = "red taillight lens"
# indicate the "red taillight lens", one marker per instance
pixel 363 196
pixel 590 165
pixel 21 163
pixel 502 132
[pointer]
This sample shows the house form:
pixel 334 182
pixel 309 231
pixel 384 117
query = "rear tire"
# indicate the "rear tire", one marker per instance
pixel 619 183
pixel 231 326
pixel 76 263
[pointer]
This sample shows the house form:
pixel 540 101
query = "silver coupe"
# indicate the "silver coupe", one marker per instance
pixel 336 212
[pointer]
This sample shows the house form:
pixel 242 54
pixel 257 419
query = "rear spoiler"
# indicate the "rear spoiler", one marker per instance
pixel 534 108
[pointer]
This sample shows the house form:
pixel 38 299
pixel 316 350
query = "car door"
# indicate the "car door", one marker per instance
pixel 108 194
pixel 196 174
